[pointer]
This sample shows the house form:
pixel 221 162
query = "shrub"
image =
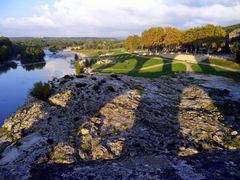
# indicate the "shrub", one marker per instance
pixel 76 57
pixel 41 91
pixel 78 68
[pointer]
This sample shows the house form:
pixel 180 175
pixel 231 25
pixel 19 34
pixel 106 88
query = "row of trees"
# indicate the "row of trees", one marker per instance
pixel 30 53
pixel 157 39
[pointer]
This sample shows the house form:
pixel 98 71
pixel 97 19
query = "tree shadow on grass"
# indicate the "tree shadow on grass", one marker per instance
pixel 208 69
pixel 116 59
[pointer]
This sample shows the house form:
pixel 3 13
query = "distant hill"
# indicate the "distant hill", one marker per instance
pixel 63 38
pixel 231 28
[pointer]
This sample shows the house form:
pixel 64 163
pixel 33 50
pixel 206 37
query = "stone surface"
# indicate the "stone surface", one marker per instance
pixel 120 127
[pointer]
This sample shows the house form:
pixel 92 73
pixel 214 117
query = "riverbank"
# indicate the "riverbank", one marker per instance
pixel 18 79
pixel 82 55
pixel 111 126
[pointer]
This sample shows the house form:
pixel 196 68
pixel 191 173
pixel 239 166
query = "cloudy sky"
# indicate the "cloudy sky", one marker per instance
pixel 110 18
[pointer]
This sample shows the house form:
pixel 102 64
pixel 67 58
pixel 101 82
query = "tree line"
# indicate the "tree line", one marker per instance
pixel 29 53
pixel 170 39
pixel 56 44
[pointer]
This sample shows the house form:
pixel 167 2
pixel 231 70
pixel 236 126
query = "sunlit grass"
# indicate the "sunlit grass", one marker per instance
pixel 215 71
pixel 224 63
pixel 97 52
pixel 155 67
pixel 140 66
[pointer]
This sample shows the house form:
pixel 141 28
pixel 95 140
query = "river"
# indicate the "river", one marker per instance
pixel 17 82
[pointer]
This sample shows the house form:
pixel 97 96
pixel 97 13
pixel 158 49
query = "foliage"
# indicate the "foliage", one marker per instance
pixel 155 39
pixel 5 41
pixel 78 68
pixel 152 37
pixel 4 52
pixel 41 91
pixel 210 36
pixel 76 57
pixel 236 50
pixel 132 43
pixel 32 53
pixel 54 48
pixel 56 44
pixel 229 29
pixel 172 37
pixel 5 48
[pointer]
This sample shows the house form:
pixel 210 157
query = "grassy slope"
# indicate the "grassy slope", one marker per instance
pixel 225 63
pixel 96 52
pixel 215 71
pixel 132 65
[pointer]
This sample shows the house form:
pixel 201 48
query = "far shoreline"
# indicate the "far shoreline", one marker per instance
pixel 78 53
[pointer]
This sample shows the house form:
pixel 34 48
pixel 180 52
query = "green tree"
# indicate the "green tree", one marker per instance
pixel 172 38
pixel 132 43
pixel 5 48
pixel 209 36
pixel 153 38
pixel 5 41
pixel 4 53
pixel 32 53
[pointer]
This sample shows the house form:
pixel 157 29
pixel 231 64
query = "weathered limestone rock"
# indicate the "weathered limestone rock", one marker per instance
pixel 187 151
pixel 61 99
pixel 62 153
pixel 133 128
pixel 84 131
pixel 234 133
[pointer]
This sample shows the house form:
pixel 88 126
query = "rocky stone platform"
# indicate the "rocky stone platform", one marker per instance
pixel 184 126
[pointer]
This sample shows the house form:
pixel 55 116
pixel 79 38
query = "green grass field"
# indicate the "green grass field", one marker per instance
pixel 225 63
pixel 154 67
pixel 204 69
pixel 139 66
pixel 94 53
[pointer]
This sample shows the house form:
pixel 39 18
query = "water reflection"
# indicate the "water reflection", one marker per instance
pixel 16 80
pixel 6 66
pixel 32 67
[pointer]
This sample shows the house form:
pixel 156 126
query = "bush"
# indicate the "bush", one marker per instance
pixel 76 57
pixel 236 51
pixel 78 68
pixel 41 91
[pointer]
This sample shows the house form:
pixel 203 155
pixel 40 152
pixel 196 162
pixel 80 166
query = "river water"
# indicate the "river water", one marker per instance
pixel 15 83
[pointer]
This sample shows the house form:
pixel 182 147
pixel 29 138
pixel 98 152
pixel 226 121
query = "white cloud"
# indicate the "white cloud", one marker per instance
pixel 119 18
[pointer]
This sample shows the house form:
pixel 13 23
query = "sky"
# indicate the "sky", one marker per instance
pixel 110 18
